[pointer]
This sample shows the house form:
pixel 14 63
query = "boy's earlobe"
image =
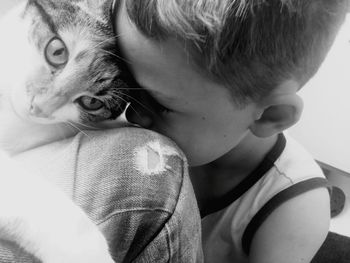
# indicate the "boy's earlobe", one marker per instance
pixel 279 113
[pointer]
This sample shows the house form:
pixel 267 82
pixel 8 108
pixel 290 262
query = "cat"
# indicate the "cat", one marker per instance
pixel 58 68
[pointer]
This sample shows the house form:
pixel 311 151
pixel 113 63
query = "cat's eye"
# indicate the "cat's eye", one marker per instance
pixel 90 103
pixel 56 52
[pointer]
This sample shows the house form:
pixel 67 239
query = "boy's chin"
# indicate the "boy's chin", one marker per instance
pixel 200 157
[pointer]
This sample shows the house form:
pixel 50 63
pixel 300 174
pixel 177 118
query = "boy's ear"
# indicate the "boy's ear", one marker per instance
pixel 278 111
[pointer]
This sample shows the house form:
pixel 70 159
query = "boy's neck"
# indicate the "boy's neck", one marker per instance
pixel 213 180
pixel 246 155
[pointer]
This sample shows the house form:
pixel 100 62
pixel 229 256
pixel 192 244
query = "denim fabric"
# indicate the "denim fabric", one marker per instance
pixel 133 184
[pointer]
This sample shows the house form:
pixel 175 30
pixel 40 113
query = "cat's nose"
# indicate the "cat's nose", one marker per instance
pixel 36 111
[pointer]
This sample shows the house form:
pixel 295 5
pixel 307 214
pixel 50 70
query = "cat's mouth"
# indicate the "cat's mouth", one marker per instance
pixel 30 114
pixel 37 118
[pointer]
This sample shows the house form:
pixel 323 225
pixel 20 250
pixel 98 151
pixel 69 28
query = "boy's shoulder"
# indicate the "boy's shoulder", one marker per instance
pixel 288 171
pixel 296 165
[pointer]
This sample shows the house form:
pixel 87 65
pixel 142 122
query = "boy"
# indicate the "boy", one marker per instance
pixel 222 78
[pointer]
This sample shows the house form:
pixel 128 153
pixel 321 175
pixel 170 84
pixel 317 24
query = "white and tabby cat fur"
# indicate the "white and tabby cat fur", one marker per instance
pixel 57 66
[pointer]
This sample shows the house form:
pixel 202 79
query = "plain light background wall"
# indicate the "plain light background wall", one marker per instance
pixel 325 125
pixel 5 5
pixel 324 128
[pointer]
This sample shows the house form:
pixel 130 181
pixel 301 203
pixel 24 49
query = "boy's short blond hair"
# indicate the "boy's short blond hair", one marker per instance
pixel 250 46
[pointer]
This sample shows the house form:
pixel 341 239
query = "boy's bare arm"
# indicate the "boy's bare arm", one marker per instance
pixel 294 232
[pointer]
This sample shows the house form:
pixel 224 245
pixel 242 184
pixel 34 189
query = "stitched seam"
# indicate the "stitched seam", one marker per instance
pixel 118 212
pixel 283 174
pixel 170 252
pixel 77 152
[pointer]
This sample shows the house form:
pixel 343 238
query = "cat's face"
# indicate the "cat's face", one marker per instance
pixel 63 62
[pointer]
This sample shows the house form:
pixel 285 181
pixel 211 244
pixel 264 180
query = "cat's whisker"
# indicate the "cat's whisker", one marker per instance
pixel 108 52
pixel 132 106
pixel 118 97
pixel 61 131
pixel 139 102
pixel 104 41
pixel 76 127
pixel 70 126
pixel 115 55
pixel 131 89
pixel 85 125
pixel 138 114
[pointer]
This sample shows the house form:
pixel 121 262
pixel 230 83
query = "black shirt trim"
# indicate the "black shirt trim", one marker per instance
pixel 267 163
pixel 276 201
